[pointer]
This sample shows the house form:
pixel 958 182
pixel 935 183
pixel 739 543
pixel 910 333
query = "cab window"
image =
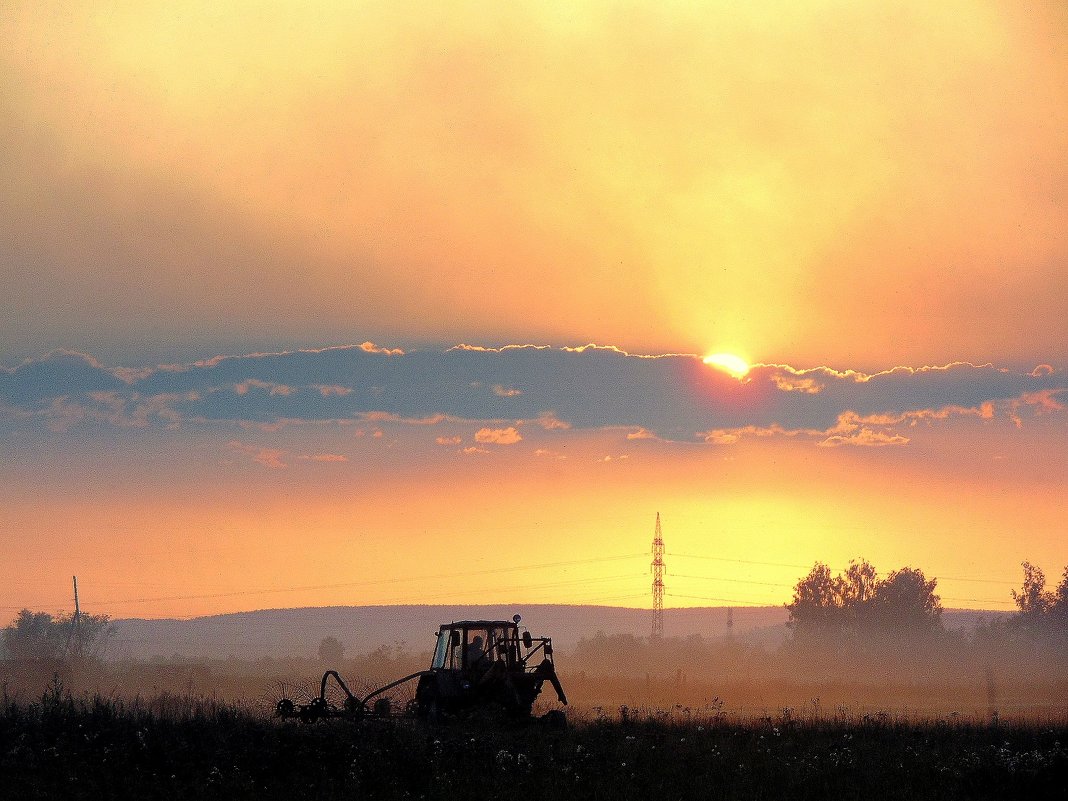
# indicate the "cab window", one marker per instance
pixel 441 650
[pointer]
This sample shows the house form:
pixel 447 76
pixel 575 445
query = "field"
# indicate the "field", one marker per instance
pixel 59 745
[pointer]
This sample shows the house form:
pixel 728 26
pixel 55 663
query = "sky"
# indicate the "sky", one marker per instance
pixel 407 302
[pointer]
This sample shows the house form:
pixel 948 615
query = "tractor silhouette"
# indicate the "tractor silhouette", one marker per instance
pixel 477 664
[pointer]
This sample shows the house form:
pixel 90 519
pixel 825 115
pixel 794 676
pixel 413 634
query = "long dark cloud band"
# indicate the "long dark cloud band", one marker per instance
pixel 674 396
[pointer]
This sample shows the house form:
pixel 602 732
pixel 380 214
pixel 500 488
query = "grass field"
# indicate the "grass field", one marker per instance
pixel 171 747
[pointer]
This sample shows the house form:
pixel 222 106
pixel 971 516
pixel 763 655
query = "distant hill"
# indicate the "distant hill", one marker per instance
pixel 281 633
pixel 297 632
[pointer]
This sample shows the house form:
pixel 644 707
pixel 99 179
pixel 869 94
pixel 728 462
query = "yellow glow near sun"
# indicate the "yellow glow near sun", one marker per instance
pixel 736 366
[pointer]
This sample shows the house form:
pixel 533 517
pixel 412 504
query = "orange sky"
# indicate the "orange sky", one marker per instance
pixel 811 182
pixel 188 522
pixel 801 184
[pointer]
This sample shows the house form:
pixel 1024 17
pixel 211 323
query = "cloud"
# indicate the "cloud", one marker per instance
pixel 274 458
pixel 371 347
pixel 1047 401
pixel 448 440
pixel 502 349
pixel 641 433
pixel 389 417
pixel 271 387
pixel 670 396
pixel 498 436
pixel 268 457
pixel 865 437
pixel 332 389
pixel 323 457
pixel 550 422
pixel 733 435
pixel 788 383
pixel 548 453
pixel 854 429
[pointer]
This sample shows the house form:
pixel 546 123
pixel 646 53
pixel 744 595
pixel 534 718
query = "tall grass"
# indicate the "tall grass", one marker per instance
pixel 62 745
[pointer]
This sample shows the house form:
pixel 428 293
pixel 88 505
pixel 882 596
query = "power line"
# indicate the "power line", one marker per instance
pixel 527 587
pixel 979 601
pixel 1012 582
pixel 979 580
pixel 459 591
pixel 615 598
pixel 733 581
pixel 374 582
pixel 738 561
pixel 733 601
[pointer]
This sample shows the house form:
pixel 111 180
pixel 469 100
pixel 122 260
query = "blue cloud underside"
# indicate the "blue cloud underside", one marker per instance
pixel 675 396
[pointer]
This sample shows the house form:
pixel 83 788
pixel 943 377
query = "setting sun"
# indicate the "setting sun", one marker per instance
pixel 728 363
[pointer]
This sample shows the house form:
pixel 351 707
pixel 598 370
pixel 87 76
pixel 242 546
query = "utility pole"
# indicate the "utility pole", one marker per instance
pixel 73 637
pixel 658 581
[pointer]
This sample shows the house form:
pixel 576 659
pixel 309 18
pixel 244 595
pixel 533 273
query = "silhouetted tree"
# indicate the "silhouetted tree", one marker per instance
pixel 856 586
pixel 1032 600
pixel 34 635
pixel 857 603
pixel 906 601
pixel 816 600
pixel 39 635
pixel 856 589
pixel 87 638
pixel 331 650
pixel 1059 608
pixel 1041 610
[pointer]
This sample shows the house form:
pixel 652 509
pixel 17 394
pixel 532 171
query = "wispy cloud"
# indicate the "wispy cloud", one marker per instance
pixel 506 392
pixel 865 437
pixel 498 436
pixel 323 457
pixel 276 458
pixel 268 457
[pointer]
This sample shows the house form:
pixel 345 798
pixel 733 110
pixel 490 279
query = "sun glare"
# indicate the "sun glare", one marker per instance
pixel 735 366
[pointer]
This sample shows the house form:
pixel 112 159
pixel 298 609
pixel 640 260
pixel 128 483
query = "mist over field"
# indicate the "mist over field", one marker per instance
pixel 977 667
pixel 860 683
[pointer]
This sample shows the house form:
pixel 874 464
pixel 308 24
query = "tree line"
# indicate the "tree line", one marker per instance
pixel 60 638
pixel 1041 609
pixel 854 606
pixel 858 603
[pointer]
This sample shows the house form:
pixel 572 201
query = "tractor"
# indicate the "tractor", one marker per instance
pixel 477 664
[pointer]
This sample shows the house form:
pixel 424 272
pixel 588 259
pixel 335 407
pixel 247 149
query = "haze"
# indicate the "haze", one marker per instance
pixel 358 206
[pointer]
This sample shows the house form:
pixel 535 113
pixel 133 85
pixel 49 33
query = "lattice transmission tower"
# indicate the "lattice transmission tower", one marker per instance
pixel 658 581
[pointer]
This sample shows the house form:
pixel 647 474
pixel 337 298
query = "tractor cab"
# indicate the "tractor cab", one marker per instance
pixel 487 662
pixel 477 645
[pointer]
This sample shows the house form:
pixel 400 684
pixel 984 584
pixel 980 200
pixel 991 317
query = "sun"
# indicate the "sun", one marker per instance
pixel 733 365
